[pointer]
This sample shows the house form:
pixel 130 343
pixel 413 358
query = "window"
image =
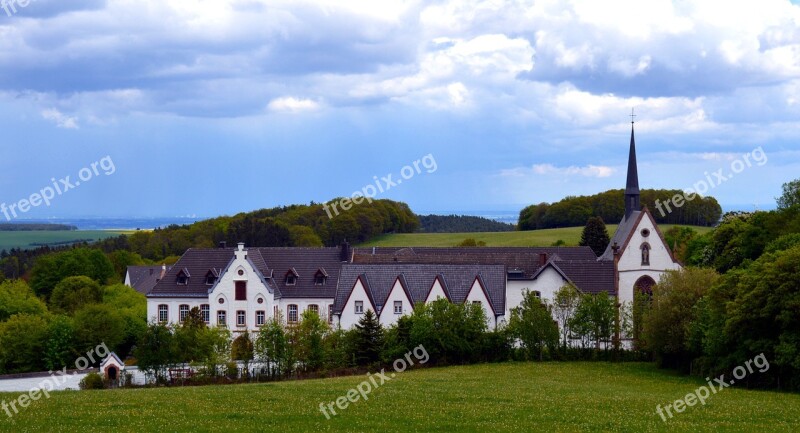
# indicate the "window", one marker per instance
pixel 261 317
pixel 241 290
pixel 163 313
pixel 330 313
pixel 645 255
pixel 292 313
pixel 314 308
pixel 182 279
pixel 359 307
pixel 211 278
pixel 398 307
pixel 478 303
pixel 319 280
pixel 222 319
pixel 537 294
pixel 205 311
pixel 241 318
pixel 183 311
pixel 291 280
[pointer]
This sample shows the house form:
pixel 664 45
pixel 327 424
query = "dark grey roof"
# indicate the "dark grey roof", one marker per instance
pixel 632 183
pixel 590 276
pixel 419 279
pixel 271 263
pixel 197 263
pixel 144 278
pixel 526 259
pixel 305 262
pixel 622 234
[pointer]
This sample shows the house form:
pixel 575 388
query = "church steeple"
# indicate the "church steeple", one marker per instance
pixel 632 185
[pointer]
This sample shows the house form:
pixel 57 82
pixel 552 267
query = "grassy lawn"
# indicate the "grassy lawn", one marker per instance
pixel 533 238
pixel 519 397
pixel 25 239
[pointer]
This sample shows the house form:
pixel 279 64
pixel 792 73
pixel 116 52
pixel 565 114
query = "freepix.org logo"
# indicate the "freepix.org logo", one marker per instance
pixel 57 188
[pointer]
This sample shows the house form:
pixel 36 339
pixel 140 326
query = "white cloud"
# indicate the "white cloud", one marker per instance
pixel 61 120
pixel 290 104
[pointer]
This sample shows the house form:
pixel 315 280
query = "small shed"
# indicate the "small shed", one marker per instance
pixel 111 367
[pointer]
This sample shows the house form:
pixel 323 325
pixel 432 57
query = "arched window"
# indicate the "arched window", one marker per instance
pixel 644 285
pixel 645 254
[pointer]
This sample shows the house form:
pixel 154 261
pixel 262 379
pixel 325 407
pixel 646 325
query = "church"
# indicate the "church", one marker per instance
pixel 243 287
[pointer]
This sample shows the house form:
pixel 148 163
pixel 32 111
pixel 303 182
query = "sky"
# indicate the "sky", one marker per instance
pixel 212 107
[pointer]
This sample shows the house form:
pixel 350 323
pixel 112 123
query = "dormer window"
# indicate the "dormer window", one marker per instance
pixel 320 277
pixel 211 277
pixel 183 277
pixel 291 277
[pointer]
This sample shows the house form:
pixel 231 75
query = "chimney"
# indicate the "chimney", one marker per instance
pixel 344 253
pixel 542 259
pixel 223 244
pixel 151 271
pixel 163 271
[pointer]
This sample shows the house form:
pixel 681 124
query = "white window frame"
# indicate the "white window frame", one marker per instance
pixel 183 311
pixel 398 307
pixel 205 312
pixel 261 317
pixel 163 313
pixel 359 307
pixel 222 314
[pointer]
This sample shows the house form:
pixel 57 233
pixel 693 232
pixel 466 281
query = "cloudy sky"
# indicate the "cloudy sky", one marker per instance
pixel 212 107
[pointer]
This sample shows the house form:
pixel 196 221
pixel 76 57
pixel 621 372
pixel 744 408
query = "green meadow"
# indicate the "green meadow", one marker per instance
pixel 508 397
pixel 34 239
pixel 533 238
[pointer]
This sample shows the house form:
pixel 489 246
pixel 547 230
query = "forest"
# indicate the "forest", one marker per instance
pixel 609 205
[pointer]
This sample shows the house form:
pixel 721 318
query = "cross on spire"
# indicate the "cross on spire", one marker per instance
pixel 632 115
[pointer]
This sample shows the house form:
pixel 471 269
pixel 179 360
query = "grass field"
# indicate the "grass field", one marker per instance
pixel 26 239
pixel 534 238
pixel 511 397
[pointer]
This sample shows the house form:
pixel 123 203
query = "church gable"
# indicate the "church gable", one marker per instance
pixel 645 247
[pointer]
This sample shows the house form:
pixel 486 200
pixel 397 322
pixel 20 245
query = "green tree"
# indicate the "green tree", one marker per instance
pixel 99 323
pixel 532 325
pixel 16 297
pixel 565 302
pixel 669 319
pixel 50 269
pixel 595 235
pixel 74 293
pixel 156 351
pixel 594 318
pixel 22 343
pixel 271 346
pixel 311 331
pixel 369 339
pixel 242 350
pixel 59 348
pixel 790 196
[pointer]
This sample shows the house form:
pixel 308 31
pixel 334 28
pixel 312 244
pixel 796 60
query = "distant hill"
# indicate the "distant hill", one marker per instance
pixel 461 224
pixel 610 205
pixel 21 227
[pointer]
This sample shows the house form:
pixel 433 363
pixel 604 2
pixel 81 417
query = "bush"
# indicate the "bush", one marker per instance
pixel 92 381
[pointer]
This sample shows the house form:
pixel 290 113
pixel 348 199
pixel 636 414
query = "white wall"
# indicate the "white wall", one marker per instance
pixel 630 262
pixel 225 289
pixel 349 316
pixel 476 294
pixel 173 307
pixel 388 317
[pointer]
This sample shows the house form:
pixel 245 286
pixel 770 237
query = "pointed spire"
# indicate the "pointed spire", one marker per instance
pixel 632 184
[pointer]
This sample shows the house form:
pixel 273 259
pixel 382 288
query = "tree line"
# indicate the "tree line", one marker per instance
pixel 609 205
pixel 461 224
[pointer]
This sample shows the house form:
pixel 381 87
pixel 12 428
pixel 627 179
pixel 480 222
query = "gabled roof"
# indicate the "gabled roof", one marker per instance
pixel 144 278
pixel 525 259
pixel 418 279
pixel 625 232
pixel 193 261
pixel 305 262
pixel 403 286
pixel 442 284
